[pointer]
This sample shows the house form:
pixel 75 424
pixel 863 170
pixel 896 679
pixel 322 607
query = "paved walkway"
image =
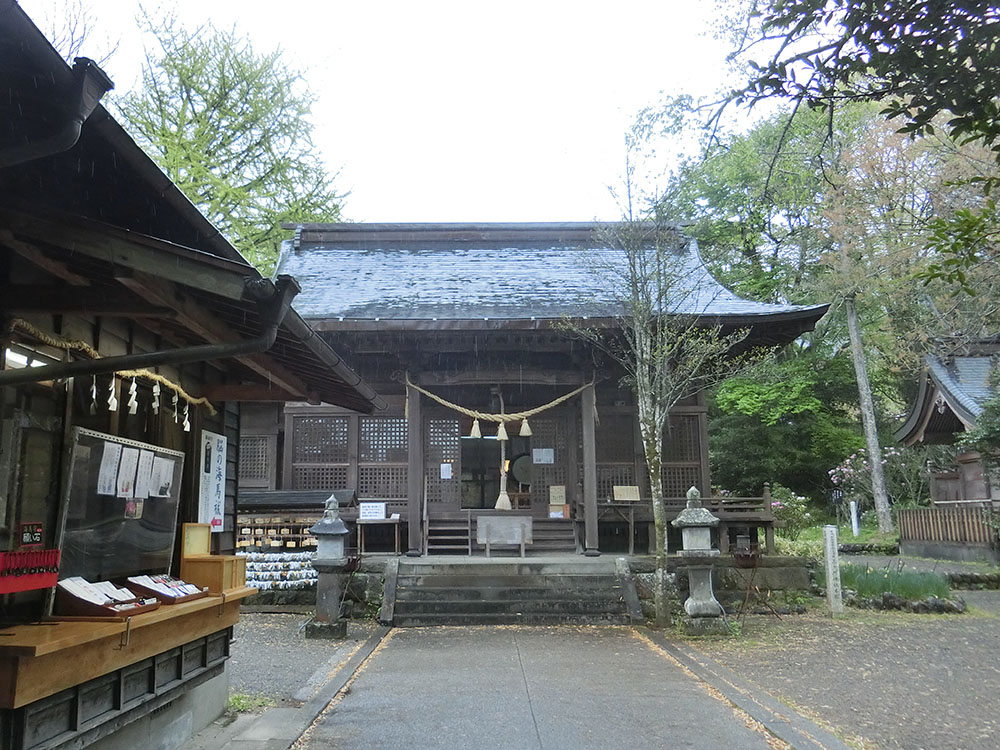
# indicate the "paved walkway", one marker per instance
pixel 529 688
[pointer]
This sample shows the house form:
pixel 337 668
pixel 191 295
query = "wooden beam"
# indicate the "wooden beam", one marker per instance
pixel 56 298
pixel 589 473
pixel 199 322
pixel 245 393
pixel 514 375
pixel 36 256
pixel 138 252
pixel 414 474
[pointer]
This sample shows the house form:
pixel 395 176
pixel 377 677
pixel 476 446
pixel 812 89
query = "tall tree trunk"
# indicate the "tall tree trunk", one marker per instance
pixel 652 445
pixel 885 524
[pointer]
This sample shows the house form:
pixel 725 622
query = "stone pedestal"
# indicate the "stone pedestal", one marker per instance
pixel 701 601
pixel 328 622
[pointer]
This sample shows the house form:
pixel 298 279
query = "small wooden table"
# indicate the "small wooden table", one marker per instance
pixel 366 522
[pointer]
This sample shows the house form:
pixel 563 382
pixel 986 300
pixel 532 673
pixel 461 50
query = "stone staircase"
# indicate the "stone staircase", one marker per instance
pixel 455 534
pixel 509 592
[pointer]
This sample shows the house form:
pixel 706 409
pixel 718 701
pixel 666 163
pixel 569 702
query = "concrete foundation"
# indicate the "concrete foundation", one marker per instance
pixel 171 726
pixel 946 551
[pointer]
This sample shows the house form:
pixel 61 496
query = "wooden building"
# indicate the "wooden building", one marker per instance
pixel 473 315
pixel 953 390
pixel 127 322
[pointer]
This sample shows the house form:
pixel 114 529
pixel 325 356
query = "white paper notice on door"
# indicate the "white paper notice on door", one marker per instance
pixel 108 472
pixel 543 456
pixel 446 471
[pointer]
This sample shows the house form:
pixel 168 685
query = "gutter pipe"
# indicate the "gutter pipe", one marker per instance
pixel 89 85
pixel 274 310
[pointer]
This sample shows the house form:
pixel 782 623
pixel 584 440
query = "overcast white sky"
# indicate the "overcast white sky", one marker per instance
pixel 462 111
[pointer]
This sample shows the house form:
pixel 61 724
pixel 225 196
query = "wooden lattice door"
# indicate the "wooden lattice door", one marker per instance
pixel 548 433
pixel 443 449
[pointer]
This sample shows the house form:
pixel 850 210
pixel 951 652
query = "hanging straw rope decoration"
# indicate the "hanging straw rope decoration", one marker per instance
pixel 501 418
pixel 83 346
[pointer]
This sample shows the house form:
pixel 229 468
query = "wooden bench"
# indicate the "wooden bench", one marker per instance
pixel 505 530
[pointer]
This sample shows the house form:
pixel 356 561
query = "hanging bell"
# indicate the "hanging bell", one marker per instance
pixel 525 429
pixel 475 432
pixel 156 398
pixel 112 397
pixel 187 422
pixel 501 432
pixel 133 402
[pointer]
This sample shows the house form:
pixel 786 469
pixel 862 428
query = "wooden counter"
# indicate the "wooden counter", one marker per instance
pixel 40 659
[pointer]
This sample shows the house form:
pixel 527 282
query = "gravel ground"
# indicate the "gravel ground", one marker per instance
pixel 272 658
pixel 889 680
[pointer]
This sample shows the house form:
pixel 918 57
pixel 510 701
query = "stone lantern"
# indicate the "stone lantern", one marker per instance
pixel 330 563
pixel 696 524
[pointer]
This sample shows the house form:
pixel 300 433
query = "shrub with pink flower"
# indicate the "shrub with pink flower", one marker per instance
pixel 792 509
pixel 905 477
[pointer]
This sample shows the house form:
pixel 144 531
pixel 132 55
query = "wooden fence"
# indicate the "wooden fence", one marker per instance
pixel 956 524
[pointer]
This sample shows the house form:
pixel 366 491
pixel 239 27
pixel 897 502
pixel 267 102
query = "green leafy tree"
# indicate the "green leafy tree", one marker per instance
pixel 230 127
pixel 788 424
pixel 932 66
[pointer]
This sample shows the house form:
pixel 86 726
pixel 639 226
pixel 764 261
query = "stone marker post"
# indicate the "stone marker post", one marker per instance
pixel 702 608
pixel 834 597
pixel 854 517
pixel 330 563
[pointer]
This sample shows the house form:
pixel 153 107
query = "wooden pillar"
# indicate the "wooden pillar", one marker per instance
pixel 589 473
pixel 414 473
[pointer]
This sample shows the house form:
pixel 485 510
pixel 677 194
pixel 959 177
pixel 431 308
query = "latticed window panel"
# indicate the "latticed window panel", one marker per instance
pixel 548 433
pixel 677 480
pixel 443 447
pixel 256 460
pixel 683 438
pixel 319 477
pixel 382 440
pixel 319 440
pixel 609 475
pixel 382 481
pixel 614 438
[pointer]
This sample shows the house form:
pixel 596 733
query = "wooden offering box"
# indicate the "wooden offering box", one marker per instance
pixel 69 606
pixel 217 573
pixel 161 597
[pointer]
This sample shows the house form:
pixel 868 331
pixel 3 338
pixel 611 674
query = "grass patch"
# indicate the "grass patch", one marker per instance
pixel 909 584
pixel 248 703
pixel 866 535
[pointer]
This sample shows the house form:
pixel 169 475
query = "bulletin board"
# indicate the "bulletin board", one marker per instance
pixel 119 507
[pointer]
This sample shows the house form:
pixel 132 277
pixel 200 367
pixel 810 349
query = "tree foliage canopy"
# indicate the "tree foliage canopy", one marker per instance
pixel 930 64
pixel 919 58
pixel 230 127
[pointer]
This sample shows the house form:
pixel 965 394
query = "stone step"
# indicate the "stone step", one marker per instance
pixel 446 618
pixel 502 580
pixel 585 566
pixel 485 593
pixel 604 605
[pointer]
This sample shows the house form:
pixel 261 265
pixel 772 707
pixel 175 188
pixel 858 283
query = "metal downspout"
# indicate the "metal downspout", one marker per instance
pixel 275 308
pixel 89 85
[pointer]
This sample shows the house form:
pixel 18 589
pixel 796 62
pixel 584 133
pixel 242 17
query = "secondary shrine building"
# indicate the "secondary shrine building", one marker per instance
pixel 444 320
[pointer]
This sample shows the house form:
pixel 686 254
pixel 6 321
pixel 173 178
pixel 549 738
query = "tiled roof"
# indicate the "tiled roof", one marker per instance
pixel 963 381
pixel 401 276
